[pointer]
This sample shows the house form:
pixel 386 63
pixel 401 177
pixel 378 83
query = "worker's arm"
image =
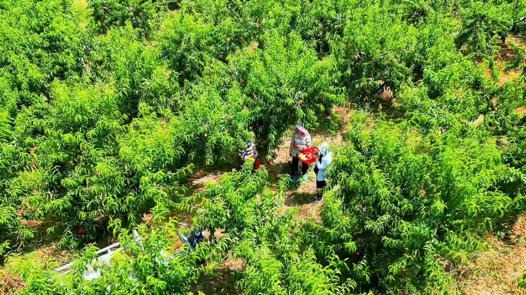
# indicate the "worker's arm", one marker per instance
pixel 325 162
pixel 255 147
pixel 306 143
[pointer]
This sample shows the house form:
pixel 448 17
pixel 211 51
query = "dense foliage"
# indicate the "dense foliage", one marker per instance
pixel 107 106
pixel 418 202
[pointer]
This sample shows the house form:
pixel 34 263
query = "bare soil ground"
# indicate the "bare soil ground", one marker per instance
pixel 198 180
pixel 507 53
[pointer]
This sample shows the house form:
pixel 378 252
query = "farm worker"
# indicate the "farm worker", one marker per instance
pixel 300 141
pixel 251 152
pixel 324 161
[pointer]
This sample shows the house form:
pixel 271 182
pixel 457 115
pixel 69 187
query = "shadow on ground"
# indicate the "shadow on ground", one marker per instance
pixel 299 198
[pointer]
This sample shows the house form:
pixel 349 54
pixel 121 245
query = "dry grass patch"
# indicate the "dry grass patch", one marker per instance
pixel 198 181
pixel 252 47
pixel 45 258
pixel 300 203
pixel 506 55
pixel 521 111
pixel 10 283
pixel 496 271
pixel 233 264
pixel 183 216
pixel 478 121
pixel 493 272
pixel 311 212
pixel 511 76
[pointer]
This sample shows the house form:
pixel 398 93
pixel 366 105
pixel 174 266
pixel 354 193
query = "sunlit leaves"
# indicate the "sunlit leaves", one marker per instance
pixel 409 195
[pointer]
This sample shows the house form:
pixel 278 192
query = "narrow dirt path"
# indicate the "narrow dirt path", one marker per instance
pixel 298 197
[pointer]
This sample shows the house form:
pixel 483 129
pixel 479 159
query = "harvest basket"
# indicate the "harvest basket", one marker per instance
pixel 308 156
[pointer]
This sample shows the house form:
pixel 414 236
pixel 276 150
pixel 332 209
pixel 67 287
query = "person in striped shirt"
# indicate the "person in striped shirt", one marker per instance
pixel 300 141
pixel 251 152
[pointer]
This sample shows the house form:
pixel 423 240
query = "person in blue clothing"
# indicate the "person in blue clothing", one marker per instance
pixel 324 161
